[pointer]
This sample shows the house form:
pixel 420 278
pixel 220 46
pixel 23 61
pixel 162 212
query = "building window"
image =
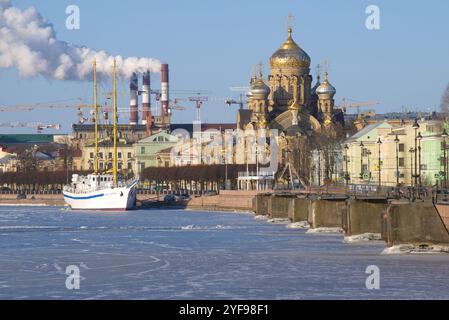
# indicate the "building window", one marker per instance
pixel 120 166
pixel 101 155
pixel 91 155
pixel 130 165
pixel 119 155
pixel 402 162
pixel 401 147
pixel 142 150
pixel 129 155
pixel 110 155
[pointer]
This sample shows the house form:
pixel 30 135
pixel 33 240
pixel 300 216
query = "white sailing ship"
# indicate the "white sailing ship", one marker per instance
pixel 102 191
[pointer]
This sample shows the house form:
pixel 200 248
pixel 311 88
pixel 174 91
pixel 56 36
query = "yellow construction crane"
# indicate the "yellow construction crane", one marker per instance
pixel 37 106
pixel 345 106
pixel 198 101
pixel 176 105
pixel 38 126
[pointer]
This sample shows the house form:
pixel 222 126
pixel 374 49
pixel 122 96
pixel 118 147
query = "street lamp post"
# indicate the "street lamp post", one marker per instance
pixel 347 178
pixel 223 151
pixel 419 158
pixel 247 168
pixel 257 165
pixel 444 135
pixel 416 127
pixel 396 140
pixel 412 151
pixel 379 143
pixel 361 160
pixel 319 168
pixel 368 153
pixel 289 163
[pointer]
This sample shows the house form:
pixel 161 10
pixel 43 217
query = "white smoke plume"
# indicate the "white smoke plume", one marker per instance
pixel 28 42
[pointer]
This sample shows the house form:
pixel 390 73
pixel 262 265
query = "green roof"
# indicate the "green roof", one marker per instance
pixel 26 138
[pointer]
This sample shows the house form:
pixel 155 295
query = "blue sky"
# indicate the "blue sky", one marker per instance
pixel 212 45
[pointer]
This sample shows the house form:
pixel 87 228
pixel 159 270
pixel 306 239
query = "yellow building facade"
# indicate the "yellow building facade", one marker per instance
pixel 380 150
pixel 125 158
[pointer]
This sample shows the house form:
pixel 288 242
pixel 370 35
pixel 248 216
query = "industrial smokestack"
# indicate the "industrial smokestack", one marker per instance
pixel 134 86
pixel 165 87
pixel 146 101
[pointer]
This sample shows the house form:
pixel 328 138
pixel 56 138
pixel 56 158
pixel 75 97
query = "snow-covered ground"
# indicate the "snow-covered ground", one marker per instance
pixel 196 255
pixel 363 238
pixel 325 231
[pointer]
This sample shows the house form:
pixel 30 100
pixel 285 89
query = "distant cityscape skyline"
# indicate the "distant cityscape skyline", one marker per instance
pixel 213 46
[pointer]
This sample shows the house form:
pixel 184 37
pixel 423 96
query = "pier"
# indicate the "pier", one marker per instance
pixel 419 224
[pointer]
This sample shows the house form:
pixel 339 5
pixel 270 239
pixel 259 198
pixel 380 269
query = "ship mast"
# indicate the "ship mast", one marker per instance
pixel 96 166
pixel 114 165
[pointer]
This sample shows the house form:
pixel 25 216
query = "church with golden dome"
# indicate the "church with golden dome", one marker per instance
pixel 288 100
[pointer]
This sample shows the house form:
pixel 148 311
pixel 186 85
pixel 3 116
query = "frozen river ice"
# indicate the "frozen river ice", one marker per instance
pixel 159 254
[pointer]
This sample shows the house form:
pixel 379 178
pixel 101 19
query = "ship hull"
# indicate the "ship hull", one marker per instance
pixel 118 199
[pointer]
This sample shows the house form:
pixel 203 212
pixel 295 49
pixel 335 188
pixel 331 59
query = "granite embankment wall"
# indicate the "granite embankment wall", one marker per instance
pixel 39 200
pixel 282 206
pixel 364 216
pixel 443 211
pixel 300 210
pixel 418 223
pixel 225 201
pixel 260 204
pixel 327 212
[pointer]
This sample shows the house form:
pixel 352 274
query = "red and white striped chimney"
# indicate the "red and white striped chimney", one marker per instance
pixel 134 112
pixel 165 88
pixel 146 101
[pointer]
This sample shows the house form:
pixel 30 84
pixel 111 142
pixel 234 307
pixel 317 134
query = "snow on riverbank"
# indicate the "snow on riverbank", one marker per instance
pixel 278 221
pixel 299 225
pixel 414 249
pixel 363 238
pixel 325 231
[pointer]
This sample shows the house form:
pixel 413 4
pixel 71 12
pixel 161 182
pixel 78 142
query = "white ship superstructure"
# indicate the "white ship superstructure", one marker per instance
pixel 97 192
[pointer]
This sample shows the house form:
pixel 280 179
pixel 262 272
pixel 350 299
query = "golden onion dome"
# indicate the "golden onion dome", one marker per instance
pixel 290 55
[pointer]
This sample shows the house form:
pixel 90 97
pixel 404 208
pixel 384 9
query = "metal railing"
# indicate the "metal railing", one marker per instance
pixel 30 192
